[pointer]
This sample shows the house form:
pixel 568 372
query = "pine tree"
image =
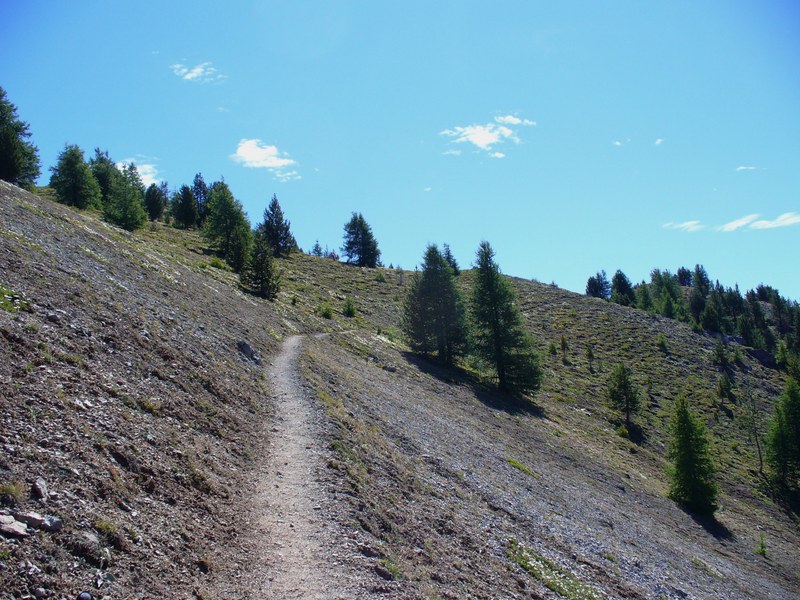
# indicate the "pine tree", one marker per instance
pixel 154 201
pixel 622 290
pixel 316 250
pixel 692 472
pixel 184 208
pixel 200 191
pixel 277 229
pixel 107 174
pixel 622 393
pixel 73 181
pixel 451 260
pixel 226 228
pixel 434 315
pixel 498 335
pixel 19 158
pixel 125 206
pixel 360 246
pixel 643 299
pixel 598 286
pixel 783 437
pixel 260 274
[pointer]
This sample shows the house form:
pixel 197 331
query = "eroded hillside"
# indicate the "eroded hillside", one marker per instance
pixel 134 384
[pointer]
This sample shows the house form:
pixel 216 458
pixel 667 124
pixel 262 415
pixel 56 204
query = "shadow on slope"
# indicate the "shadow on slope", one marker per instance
pixel 492 398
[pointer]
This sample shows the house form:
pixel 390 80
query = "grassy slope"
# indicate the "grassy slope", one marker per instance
pixel 159 281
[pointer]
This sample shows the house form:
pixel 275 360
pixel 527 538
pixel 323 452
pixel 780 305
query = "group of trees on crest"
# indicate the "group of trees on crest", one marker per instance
pixel 436 319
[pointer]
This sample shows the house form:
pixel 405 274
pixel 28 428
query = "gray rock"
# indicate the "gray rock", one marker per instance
pixel 39 489
pixel 12 528
pixel 247 350
pixel 52 524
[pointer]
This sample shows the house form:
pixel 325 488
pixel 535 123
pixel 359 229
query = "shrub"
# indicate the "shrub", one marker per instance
pixel 349 309
pixel 380 277
pixel 325 311
pixel 661 340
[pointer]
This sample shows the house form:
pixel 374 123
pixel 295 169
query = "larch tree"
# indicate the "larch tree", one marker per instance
pixel 260 274
pixel 622 393
pixel 434 317
pixel 360 246
pixel 125 205
pixel 155 200
pixel 19 158
pixel 598 286
pixel 226 227
pixel 73 181
pixel 184 208
pixel 107 174
pixel 783 437
pixel 200 190
pixel 277 229
pixel 498 336
pixel 692 471
pixel 622 289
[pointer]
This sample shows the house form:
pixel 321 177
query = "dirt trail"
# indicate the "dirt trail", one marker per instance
pixel 299 548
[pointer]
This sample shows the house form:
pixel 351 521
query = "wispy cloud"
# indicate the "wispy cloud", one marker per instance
pixel 785 220
pixel 738 223
pixel 688 226
pixel 452 152
pixel 619 143
pixel 659 141
pixel 487 135
pixel 204 72
pixel 745 168
pixel 147 169
pixel 514 120
pixel 427 189
pixel 255 154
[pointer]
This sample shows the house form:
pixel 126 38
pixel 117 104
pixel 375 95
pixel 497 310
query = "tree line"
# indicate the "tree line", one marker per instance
pixel 761 318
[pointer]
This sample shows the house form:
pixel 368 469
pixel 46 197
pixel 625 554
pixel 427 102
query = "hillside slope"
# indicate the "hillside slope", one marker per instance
pixel 130 386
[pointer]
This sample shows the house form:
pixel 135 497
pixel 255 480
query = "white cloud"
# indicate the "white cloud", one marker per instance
pixel 201 73
pixel 513 120
pixel 617 143
pixel 452 152
pixel 743 168
pixel 486 136
pixel 255 154
pixel 659 141
pixel 688 226
pixel 738 223
pixel 785 220
pixel 148 171
pixel 427 189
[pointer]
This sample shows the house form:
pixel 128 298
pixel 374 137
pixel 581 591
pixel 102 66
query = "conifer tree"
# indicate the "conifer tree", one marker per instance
pixel 622 290
pixel 200 191
pixel 226 228
pixel 451 260
pixel 277 229
pixel 643 299
pixel 434 314
pixel 155 201
pixel 106 172
pixel 125 205
pixel 360 246
pixel 783 437
pixel 19 158
pixel 73 181
pixel 597 286
pixel 184 208
pixel 498 335
pixel 692 482
pixel 260 274
pixel 622 393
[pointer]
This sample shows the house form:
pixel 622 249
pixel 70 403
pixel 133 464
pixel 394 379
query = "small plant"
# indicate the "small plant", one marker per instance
pixel 325 311
pixel 218 263
pixel 520 467
pixel 552 349
pixel 380 277
pixel 623 432
pixel 105 526
pixel 295 300
pixel 564 349
pixel 14 490
pixel 661 341
pixel 392 568
pixel 762 545
pixel 12 302
pixel 349 309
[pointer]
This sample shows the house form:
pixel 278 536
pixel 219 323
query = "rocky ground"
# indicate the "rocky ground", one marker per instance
pixel 165 435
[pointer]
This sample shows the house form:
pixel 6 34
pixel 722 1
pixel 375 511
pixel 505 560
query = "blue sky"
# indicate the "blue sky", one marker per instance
pixel 573 136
